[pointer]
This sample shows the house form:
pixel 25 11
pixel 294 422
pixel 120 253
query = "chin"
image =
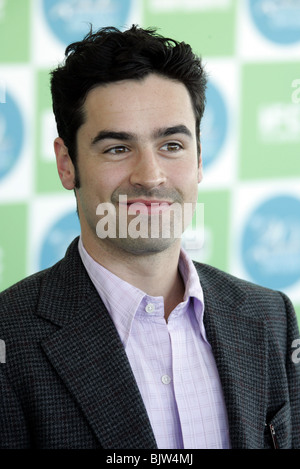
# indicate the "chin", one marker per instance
pixel 145 246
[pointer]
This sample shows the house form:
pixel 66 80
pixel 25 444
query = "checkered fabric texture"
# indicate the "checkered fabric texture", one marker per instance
pixel 250 133
pixel 67 382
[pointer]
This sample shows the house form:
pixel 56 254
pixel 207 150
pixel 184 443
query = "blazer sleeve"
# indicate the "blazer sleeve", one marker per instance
pixel 293 369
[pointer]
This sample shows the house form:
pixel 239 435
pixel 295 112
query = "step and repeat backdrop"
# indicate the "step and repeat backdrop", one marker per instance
pixel 250 132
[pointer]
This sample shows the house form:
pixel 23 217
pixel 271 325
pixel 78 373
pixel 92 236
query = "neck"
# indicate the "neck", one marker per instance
pixel 156 274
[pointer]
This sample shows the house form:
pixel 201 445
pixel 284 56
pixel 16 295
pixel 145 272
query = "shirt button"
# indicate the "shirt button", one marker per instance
pixel 166 379
pixel 150 308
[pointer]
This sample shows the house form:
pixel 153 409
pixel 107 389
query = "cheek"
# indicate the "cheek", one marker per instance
pixel 189 181
pixel 102 182
pixel 186 175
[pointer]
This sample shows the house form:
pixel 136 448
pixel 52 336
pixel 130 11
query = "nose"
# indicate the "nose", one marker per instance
pixel 147 172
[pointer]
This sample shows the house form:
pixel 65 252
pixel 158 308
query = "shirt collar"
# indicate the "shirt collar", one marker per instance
pixel 190 277
pixel 122 299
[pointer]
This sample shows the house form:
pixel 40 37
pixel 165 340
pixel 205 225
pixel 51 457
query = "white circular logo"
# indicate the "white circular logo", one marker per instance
pixel 69 20
pixel 277 20
pixel 271 242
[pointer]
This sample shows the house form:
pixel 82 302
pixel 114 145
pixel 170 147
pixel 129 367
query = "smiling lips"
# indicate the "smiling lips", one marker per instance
pixel 146 206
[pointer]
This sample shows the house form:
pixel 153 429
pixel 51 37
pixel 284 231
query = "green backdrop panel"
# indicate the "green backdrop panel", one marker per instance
pixel 14 30
pixel 47 179
pixel 13 243
pixel 270 130
pixel 209 30
pixel 216 223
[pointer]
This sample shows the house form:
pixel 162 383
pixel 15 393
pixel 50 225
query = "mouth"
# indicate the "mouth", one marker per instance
pixel 146 206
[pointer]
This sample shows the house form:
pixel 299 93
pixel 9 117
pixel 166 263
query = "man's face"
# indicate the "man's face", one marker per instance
pixel 136 149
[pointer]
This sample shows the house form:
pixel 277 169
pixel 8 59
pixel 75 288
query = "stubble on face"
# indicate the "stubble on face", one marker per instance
pixel 148 233
pixel 126 115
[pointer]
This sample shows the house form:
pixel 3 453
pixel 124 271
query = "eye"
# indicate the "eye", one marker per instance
pixel 171 147
pixel 117 150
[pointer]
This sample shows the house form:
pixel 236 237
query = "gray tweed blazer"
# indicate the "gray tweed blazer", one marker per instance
pixel 66 381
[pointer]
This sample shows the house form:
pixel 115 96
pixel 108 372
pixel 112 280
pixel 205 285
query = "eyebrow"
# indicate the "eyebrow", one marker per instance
pixel 176 129
pixel 126 136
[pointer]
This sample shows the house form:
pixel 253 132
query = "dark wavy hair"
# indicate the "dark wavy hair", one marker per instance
pixel 110 55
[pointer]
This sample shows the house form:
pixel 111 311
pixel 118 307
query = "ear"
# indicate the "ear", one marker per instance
pixel 200 168
pixel 64 164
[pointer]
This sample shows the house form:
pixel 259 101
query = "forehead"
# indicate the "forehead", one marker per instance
pixel 152 100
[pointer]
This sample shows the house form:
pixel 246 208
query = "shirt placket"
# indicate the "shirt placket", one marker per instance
pixel 152 368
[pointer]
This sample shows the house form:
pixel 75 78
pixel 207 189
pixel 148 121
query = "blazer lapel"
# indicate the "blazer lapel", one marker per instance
pixel 239 344
pixel 89 357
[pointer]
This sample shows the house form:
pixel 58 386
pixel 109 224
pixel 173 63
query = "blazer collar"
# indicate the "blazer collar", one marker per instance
pixel 239 342
pixel 88 355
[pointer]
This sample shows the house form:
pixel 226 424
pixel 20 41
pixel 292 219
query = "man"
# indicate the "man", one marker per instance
pixel 126 343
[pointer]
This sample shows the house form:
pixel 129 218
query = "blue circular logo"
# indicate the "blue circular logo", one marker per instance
pixel 271 242
pixel 278 20
pixel 58 239
pixel 70 20
pixel 213 125
pixel 11 135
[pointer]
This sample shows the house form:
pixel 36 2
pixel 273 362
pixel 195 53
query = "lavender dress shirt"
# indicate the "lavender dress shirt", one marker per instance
pixel 172 361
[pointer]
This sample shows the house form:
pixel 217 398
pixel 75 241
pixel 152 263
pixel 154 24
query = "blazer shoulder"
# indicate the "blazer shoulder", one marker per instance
pixel 212 276
pixel 231 297
pixel 256 299
pixel 25 293
pixel 53 294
